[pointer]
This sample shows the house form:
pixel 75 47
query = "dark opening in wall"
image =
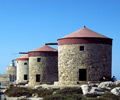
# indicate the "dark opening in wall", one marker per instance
pixel 37 77
pixel 25 77
pixel 82 75
pixel 15 77
pixel 38 59
pixel 10 78
pixel 81 48
pixel 25 63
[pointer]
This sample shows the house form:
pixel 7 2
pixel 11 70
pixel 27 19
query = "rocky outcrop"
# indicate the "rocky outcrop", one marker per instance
pixel 116 91
pixel 89 90
pixel 37 87
pixel 106 85
pixel 117 83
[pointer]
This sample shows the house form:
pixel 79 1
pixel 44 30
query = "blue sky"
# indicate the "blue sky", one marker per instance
pixel 29 24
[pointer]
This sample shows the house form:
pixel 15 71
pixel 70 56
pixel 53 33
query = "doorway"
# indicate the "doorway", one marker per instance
pixel 82 75
pixel 37 77
pixel 25 77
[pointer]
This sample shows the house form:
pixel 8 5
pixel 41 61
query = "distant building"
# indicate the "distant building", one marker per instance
pixel 22 69
pixel 43 66
pixel 84 56
pixel 4 79
pixel 11 71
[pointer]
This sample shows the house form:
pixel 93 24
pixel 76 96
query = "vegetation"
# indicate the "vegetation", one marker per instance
pixel 110 96
pixel 17 92
pixel 61 94
pixel 61 97
pixel 69 91
pixel 20 91
pixel 106 96
pixel 44 92
pixel 66 94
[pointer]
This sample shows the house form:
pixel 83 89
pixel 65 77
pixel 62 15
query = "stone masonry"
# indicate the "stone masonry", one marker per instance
pixel 96 59
pixel 22 69
pixel 47 68
pixel 11 72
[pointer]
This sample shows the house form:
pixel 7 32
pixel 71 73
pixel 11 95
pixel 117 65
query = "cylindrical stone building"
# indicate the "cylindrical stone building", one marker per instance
pixel 11 71
pixel 84 56
pixel 43 66
pixel 22 69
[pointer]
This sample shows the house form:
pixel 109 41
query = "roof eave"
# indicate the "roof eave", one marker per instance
pixel 84 38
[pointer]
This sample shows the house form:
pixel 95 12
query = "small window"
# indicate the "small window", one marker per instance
pixel 25 63
pixel 81 48
pixel 17 61
pixel 38 59
pixel 37 77
pixel 25 77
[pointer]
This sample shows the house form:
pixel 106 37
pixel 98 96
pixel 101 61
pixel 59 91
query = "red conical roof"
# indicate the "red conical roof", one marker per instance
pixel 84 36
pixel 84 33
pixel 25 57
pixel 44 48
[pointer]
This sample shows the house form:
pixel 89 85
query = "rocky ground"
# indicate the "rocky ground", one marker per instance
pixel 87 90
pixel 92 88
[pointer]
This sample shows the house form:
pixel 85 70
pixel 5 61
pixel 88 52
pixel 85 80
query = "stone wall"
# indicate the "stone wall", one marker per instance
pixel 96 59
pixel 11 71
pixel 4 79
pixel 22 70
pixel 47 68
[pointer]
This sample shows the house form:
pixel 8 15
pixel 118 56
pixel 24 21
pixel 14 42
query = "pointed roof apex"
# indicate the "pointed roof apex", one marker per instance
pixel 45 48
pixel 84 26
